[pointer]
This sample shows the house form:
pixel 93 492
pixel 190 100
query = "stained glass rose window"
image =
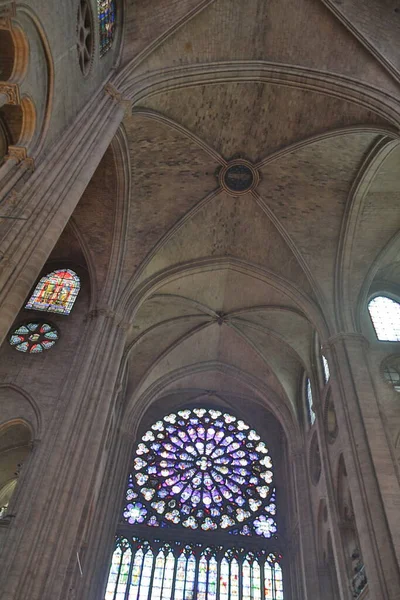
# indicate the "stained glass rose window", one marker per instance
pixel 34 337
pixel 204 469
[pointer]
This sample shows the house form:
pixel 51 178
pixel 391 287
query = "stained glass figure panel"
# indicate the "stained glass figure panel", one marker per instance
pixel 205 470
pixel 246 580
pixel 190 578
pixel 255 581
pixel 168 577
pixel 135 577
pixel 119 570
pixel 56 292
pixel 146 577
pixel 107 24
pixel 180 578
pixel 202 579
pixel 212 579
pixel 385 316
pixel 154 570
pixel 224 580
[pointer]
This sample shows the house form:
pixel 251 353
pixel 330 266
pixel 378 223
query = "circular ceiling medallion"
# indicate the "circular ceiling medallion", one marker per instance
pixel 239 177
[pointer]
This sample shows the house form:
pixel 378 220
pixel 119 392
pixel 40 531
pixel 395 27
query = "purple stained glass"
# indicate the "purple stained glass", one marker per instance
pixel 206 470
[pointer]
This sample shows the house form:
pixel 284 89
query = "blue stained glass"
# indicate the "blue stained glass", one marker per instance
pixel 107 24
pixel 31 338
pixel 210 474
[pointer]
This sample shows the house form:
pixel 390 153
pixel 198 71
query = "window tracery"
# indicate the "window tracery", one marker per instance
pixel 55 292
pixel 34 338
pixel 198 472
pixel 107 24
pixel 141 570
pixel 385 317
pixel 202 469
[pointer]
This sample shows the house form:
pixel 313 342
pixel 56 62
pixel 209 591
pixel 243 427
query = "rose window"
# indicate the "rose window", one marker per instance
pixel 202 469
pixel 34 337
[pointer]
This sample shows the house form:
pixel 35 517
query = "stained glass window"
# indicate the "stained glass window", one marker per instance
pixel 55 292
pixel 34 338
pixel 166 571
pixel 202 469
pixel 107 23
pixel 207 474
pixel 309 398
pixel 385 316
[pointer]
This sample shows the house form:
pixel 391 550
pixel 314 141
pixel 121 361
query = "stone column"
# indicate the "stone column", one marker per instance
pixel 49 524
pixel 308 552
pixel 100 541
pixel 333 516
pixel 372 476
pixel 46 200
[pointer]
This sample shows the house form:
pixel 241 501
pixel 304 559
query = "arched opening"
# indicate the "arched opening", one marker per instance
pixel 12 121
pixel 7 54
pixel 15 445
pixel 351 544
pixel 199 519
pixel 309 401
pixel 55 292
pixel 385 317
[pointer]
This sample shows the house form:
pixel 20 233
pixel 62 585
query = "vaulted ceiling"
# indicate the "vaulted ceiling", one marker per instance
pixel 225 291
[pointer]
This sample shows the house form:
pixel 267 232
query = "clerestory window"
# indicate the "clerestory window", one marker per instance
pixel 107 24
pixel 309 400
pixel 199 518
pixel 385 317
pixel 56 292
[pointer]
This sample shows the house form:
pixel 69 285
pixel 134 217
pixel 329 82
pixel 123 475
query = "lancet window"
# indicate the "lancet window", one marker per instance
pixel 199 516
pixel 309 400
pixel 56 292
pixel 325 368
pixel 107 23
pixel 385 316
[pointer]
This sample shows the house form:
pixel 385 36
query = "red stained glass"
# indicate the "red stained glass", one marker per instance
pixel 56 292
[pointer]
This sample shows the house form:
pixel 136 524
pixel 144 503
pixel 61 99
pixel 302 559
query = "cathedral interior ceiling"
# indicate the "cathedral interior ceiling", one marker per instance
pixel 212 281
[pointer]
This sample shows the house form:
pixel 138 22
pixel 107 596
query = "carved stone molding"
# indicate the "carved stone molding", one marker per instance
pixel 7 10
pixel 347 337
pixel 119 98
pixel 109 313
pixel 11 90
pixel 20 154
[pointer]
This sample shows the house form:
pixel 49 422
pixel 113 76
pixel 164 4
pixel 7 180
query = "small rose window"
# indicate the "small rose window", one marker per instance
pixel 34 337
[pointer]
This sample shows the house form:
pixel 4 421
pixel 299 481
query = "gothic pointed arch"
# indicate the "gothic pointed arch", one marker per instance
pixel 199 513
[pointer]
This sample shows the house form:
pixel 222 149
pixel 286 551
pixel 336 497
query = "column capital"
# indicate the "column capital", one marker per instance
pixel 20 154
pixel 119 98
pixel 109 313
pixel 347 338
pixel 11 90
